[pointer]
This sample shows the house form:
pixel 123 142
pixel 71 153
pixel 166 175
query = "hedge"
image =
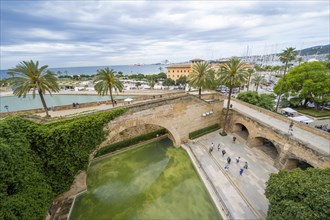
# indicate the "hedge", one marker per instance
pixel 203 131
pixel 40 160
pixel 128 142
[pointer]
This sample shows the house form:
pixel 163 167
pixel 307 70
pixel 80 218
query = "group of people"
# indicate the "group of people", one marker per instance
pixel 75 105
pixel 237 159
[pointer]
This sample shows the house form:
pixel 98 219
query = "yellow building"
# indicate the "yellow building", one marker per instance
pixel 177 70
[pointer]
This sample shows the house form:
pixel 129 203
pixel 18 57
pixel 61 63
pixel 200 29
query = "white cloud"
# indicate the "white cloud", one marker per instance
pixel 124 32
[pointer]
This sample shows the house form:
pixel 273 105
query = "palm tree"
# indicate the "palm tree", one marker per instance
pixel 27 76
pixel 250 72
pixel 257 79
pixel 201 77
pixel 299 60
pixel 106 82
pixel 288 55
pixel 232 73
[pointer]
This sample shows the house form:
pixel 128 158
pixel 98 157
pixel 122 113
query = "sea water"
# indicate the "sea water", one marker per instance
pixel 90 70
pixel 14 103
pixel 154 181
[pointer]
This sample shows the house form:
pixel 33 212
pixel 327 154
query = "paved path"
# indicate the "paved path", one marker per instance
pixel 316 142
pixel 243 195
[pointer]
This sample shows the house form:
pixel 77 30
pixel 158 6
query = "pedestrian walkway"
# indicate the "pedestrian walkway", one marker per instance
pixel 314 141
pixel 243 195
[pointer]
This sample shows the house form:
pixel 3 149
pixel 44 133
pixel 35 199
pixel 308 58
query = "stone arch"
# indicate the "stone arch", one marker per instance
pixel 241 130
pixel 117 128
pixel 267 146
pixel 292 163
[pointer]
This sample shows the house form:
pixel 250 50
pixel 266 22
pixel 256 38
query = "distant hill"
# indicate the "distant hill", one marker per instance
pixel 324 49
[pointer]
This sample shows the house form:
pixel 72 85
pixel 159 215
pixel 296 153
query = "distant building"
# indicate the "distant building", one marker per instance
pixel 183 69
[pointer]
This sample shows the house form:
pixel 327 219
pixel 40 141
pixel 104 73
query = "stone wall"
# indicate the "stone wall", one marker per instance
pixel 135 131
pixel 91 104
pixel 283 118
pixel 179 115
pixel 288 147
pixel 62 204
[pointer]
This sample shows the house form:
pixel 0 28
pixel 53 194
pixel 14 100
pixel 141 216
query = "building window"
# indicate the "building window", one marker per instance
pixel 177 76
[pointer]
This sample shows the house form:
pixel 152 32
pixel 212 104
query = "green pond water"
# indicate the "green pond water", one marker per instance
pixel 155 181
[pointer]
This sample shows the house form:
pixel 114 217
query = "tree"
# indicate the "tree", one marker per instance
pixel 233 73
pixel 288 55
pixel 250 72
pixel 162 76
pixel 152 83
pixel 27 76
pixel 201 77
pixel 182 81
pixel 258 68
pixel 299 194
pixel 168 82
pixel 265 101
pixel 249 97
pixel 106 82
pixel 309 82
pixel 137 84
pixel 257 79
pixel 120 74
pixel 299 60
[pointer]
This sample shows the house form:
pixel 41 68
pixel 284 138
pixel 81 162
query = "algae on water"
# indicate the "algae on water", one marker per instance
pixel 154 181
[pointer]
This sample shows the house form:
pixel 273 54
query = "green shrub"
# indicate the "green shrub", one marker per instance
pixel 203 131
pixel 299 194
pixel 126 143
pixel 38 161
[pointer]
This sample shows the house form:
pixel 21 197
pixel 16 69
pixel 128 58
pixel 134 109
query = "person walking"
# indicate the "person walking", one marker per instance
pixel 212 145
pixel 227 167
pixel 218 147
pixel 241 171
pixel 291 124
pixel 228 160
pixel 245 165
pixel 290 131
pixel 237 159
pixel 223 152
pixel 234 139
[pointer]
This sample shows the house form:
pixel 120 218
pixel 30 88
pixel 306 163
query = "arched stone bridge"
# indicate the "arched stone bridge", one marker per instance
pixel 286 151
pixel 179 115
pixel 183 114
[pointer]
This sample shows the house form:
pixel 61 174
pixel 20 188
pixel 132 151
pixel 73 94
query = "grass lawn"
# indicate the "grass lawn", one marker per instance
pixel 312 112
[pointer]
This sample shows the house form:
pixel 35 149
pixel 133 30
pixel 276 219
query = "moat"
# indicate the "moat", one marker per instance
pixel 154 181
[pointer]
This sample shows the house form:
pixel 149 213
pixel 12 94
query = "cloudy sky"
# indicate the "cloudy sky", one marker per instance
pixel 90 33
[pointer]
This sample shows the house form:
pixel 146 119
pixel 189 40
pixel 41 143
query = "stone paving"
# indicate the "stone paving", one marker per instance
pixel 243 195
